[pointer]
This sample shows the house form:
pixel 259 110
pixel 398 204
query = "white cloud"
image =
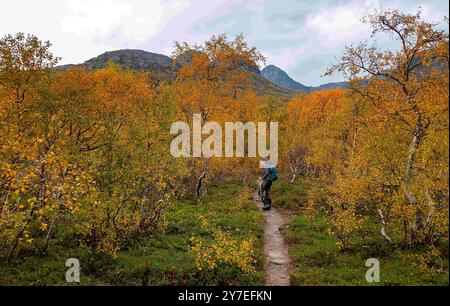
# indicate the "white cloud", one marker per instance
pixel 99 16
pixel 299 36
pixel 134 20
pixel 341 23
pixel 288 57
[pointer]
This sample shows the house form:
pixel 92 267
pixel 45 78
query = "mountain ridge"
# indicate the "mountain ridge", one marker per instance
pixel 134 59
pixel 140 60
pixel 280 77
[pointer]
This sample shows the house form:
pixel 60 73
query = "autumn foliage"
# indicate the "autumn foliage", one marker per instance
pixel 85 154
pixel 380 149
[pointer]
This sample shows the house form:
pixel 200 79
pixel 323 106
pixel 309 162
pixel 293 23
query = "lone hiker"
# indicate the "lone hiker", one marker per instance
pixel 270 174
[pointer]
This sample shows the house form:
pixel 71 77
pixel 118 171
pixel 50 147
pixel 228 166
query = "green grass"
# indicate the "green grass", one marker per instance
pixel 160 260
pixel 318 260
pixel 164 258
pixel 289 196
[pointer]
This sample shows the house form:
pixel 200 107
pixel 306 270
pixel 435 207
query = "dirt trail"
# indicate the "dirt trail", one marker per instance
pixel 277 260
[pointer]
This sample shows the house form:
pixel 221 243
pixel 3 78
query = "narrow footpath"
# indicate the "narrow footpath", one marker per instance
pixel 277 261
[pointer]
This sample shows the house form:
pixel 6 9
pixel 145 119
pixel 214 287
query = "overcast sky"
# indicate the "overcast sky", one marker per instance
pixel 303 37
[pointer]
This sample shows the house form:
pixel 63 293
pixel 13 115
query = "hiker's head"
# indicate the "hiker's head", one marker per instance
pixel 263 162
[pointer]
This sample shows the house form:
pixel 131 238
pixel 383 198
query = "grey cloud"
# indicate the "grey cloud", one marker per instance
pixel 279 29
pixel 302 37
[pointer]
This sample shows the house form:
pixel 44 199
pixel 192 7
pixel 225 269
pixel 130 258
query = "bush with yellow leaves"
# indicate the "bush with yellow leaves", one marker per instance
pixel 223 249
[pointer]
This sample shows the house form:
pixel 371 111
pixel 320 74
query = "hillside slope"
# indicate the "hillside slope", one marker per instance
pixel 278 76
pixel 141 60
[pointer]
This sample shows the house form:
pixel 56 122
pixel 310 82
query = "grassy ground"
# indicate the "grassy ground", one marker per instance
pixel 165 260
pixel 160 260
pixel 318 260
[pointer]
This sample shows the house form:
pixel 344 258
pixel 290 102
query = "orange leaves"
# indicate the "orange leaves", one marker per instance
pixel 106 90
pixel 214 74
pixel 398 117
pixel 120 89
pixel 313 125
pixel 314 107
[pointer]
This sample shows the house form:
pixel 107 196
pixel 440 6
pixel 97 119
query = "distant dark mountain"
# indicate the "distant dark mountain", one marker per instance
pixel 132 59
pixel 280 77
pixel 147 61
pixel 263 87
pixel 270 81
pixel 334 85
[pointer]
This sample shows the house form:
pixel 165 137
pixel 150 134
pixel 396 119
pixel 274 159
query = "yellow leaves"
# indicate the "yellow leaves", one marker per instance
pixel 203 222
pixel 356 143
pixel 223 249
pixel 27 238
pixel 7 171
pixel 162 185
pixel 52 155
pixel 345 222
pixel 43 226
pixel 51 161
pixel 430 262
pixel 212 84
pixel 354 70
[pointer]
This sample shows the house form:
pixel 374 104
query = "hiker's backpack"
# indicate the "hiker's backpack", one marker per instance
pixel 273 174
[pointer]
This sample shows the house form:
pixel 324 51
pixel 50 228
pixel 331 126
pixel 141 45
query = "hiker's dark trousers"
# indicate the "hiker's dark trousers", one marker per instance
pixel 265 189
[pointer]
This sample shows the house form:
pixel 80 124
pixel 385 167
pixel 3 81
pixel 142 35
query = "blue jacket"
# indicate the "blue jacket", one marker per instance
pixel 269 174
